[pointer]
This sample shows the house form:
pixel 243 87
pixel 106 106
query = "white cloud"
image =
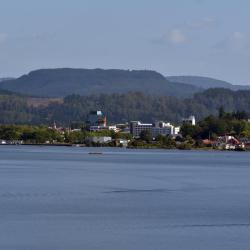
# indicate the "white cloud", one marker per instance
pixel 176 36
pixel 3 37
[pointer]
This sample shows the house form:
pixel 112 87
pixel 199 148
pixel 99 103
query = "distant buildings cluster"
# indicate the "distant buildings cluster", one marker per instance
pixel 97 121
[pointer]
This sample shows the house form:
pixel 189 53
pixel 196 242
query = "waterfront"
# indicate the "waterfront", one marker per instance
pixel 64 198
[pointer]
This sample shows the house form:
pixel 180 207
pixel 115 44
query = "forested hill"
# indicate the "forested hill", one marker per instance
pixel 63 82
pixel 206 82
pixel 121 107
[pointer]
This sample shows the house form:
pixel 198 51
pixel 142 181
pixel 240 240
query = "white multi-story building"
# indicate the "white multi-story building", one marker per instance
pixel 158 128
pixel 162 128
pixel 137 127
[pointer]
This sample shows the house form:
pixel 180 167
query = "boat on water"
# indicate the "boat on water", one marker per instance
pixel 95 153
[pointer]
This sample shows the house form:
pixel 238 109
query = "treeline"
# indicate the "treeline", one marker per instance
pixel 202 135
pixel 44 134
pixel 122 107
pixel 211 127
pixel 30 134
pixel 235 123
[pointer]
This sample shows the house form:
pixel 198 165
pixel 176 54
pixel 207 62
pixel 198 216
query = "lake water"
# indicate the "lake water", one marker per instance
pixel 58 198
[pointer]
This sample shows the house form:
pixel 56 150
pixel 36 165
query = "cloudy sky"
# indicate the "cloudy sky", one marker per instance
pixel 174 37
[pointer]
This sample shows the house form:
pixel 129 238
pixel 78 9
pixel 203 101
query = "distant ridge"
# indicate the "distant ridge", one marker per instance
pixel 206 82
pixel 66 81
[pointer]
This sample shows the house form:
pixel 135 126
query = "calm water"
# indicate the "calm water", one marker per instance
pixel 65 199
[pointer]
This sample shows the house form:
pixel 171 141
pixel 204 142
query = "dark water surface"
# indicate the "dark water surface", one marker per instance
pixel 58 198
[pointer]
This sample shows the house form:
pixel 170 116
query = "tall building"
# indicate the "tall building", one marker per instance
pixel 158 128
pixel 137 127
pixel 162 128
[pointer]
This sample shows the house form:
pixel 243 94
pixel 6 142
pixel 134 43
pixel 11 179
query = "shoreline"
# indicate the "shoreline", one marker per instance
pixel 132 148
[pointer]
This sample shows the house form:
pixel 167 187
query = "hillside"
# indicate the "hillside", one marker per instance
pixel 63 82
pixel 119 107
pixel 206 82
pixel 6 79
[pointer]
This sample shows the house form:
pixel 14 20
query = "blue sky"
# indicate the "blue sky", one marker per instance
pixel 174 37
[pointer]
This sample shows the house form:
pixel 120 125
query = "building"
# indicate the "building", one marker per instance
pixel 227 142
pixel 177 130
pixel 3 142
pixel 136 127
pixel 162 128
pixel 97 121
pixel 96 118
pixel 190 120
pixel 158 128
pixel 100 139
pixel 122 142
pixel 101 128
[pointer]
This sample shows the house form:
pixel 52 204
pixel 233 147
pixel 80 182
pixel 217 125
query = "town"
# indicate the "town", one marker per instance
pixel 228 131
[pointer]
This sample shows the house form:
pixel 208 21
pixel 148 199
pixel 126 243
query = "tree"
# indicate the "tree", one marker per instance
pixel 145 135
pixel 221 112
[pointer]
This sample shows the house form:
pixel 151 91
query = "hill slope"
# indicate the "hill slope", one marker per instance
pixel 63 82
pixel 119 107
pixel 206 82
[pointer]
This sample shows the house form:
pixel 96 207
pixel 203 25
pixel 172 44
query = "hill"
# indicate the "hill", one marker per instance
pixel 206 82
pixel 63 82
pixel 119 107
pixel 6 79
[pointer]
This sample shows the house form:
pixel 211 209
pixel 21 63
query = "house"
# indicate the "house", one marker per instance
pixel 227 142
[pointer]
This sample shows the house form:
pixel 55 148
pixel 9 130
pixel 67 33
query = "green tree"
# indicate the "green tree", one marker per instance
pixel 145 135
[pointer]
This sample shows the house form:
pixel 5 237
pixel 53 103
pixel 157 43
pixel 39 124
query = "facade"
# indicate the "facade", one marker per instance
pixel 158 128
pixel 162 128
pixel 190 120
pixel 177 130
pixel 136 127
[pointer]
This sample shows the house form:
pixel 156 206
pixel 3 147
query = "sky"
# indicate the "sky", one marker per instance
pixel 174 37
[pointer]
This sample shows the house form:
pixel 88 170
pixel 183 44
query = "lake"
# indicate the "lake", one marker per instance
pixel 63 198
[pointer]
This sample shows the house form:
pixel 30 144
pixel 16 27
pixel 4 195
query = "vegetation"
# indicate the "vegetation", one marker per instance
pixel 30 134
pixel 210 128
pixel 43 134
pixel 225 123
pixel 119 108
pixel 63 82
pixel 206 82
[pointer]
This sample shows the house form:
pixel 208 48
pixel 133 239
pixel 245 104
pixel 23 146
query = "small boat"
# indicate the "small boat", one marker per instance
pixel 95 153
